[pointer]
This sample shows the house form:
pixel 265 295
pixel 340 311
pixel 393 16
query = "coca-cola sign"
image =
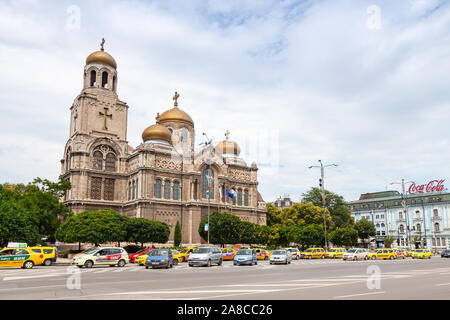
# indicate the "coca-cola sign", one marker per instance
pixel 432 186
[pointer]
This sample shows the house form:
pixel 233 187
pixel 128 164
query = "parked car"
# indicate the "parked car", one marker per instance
pixel 262 254
pixel 335 253
pixel 186 252
pixel 245 256
pixel 49 254
pixel 421 254
pixel 385 254
pixel 280 256
pixel 445 253
pixel 228 253
pixel 295 253
pixel 205 256
pixel 372 254
pixel 159 258
pixel 20 257
pixel 140 253
pixel 101 256
pixel 313 253
pixel 401 253
pixel 356 254
pixel 176 257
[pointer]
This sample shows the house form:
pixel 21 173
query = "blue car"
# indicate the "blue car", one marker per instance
pixel 159 258
pixel 245 256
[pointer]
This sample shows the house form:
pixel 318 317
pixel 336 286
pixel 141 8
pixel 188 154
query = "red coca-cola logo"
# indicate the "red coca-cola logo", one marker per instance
pixel 432 186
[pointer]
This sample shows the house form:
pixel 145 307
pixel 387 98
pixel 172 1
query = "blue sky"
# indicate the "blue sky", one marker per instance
pixel 293 81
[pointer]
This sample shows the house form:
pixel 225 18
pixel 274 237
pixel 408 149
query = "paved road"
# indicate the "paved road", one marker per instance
pixel 302 279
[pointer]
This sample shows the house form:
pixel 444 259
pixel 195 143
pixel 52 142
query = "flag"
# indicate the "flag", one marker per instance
pixel 229 194
pixel 220 193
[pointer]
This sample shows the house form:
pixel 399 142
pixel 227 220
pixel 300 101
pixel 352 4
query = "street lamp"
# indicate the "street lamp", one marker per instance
pixel 322 192
pixel 208 175
pixel 404 205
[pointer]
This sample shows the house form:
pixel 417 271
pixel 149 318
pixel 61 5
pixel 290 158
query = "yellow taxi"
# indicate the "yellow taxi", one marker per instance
pixel 371 254
pixel 335 253
pixel 385 254
pixel 421 254
pixel 313 253
pixel 186 252
pixel 262 254
pixel 228 253
pixel 177 257
pixel 140 260
pixel 20 257
pixel 49 254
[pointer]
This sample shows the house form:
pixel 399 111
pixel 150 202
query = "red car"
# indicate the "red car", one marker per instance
pixel 133 256
pixel 401 253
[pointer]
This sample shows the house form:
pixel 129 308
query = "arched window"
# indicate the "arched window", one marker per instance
pixel 114 83
pixel 129 190
pixel 97 160
pixel 436 227
pixel 382 225
pixel 68 159
pixel 167 189
pixel 110 163
pixel 418 228
pixel 134 189
pixel 208 180
pixel 158 188
pixel 93 79
pixel 239 197
pixel 176 190
pixel 401 229
pixel 235 196
pixel 104 79
pixel 378 225
pixel 245 197
pixel 137 187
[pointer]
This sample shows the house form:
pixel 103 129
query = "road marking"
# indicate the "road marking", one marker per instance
pixel 360 294
pixel 443 284
pixel 35 276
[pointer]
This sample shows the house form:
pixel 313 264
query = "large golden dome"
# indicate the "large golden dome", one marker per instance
pixel 228 147
pixel 175 115
pixel 157 132
pixel 101 57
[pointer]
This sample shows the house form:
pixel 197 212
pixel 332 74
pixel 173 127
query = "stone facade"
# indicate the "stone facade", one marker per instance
pixel 161 180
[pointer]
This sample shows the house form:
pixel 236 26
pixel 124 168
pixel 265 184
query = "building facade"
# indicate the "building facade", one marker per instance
pixel 283 202
pixel 425 222
pixel 163 178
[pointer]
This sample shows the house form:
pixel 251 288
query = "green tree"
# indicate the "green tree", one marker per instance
pixel 141 230
pixel 344 237
pixel 95 227
pixel 273 215
pixel 177 235
pixel 365 229
pixel 339 211
pixel 388 241
pixel 310 235
pixel 304 214
pixel 224 228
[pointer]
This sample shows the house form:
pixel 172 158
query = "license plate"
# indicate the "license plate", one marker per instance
pixel 155 263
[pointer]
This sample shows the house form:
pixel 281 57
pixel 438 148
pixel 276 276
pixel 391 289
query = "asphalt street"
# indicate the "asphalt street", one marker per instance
pixel 302 279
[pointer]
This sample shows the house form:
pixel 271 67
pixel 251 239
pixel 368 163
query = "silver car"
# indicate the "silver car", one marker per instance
pixel 356 254
pixel 295 253
pixel 280 256
pixel 205 256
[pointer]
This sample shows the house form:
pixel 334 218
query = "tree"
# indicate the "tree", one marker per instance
pixel 310 235
pixel 339 211
pixel 388 241
pixel 141 230
pixel 224 228
pixel 344 237
pixel 365 229
pixel 177 235
pixel 95 227
pixel 304 214
pixel 273 215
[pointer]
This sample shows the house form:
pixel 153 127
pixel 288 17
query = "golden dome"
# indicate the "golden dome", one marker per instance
pixel 157 132
pixel 101 57
pixel 175 115
pixel 227 147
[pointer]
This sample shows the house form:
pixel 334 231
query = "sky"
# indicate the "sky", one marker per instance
pixel 361 84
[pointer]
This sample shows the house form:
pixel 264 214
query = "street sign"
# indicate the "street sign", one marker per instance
pixel 16 245
pixel 206 227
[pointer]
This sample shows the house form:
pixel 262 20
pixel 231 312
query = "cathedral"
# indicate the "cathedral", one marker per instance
pixel 164 178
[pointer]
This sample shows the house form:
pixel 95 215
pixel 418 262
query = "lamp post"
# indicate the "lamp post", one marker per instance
pixel 404 205
pixel 208 176
pixel 322 192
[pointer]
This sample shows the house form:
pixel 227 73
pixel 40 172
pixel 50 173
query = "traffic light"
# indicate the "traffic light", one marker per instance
pixel 320 183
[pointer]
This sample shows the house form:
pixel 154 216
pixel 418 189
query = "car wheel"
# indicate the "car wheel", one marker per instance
pixel 322 257
pixel 209 263
pixel 366 257
pixel 175 262
pixel 256 262
pixel 88 264
pixel 121 263
pixel 391 258
pixel 309 257
pixel 220 262
pixel 80 267
pixel 355 258
pixel 28 264
pixel 265 258
pixel 373 257
pixel 184 259
pixel 146 267
pixel 47 262
pixel 270 262
pixel 429 257
pixel 190 265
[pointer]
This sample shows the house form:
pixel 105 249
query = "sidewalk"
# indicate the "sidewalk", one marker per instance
pixel 62 262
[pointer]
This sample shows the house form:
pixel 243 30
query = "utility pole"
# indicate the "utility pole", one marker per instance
pixel 405 208
pixel 208 176
pixel 322 192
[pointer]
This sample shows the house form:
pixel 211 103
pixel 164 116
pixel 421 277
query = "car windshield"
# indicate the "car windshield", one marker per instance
pixel 332 250
pixel 244 252
pixel 160 252
pixel 201 250
pixel 418 250
pixel 309 250
pixel 141 251
pixel 279 252
pixel 351 251
pixel 91 250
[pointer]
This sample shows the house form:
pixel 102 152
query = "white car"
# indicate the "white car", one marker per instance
pixel 356 254
pixel 101 256
pixel 280 256
pixel 295 253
